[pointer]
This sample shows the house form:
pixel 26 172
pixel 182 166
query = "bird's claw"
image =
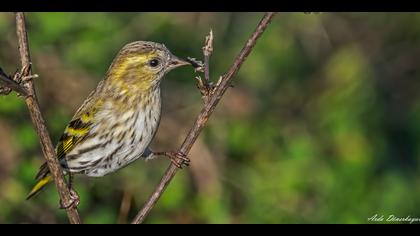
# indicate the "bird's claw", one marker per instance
pixel 179 159
pixel 74 200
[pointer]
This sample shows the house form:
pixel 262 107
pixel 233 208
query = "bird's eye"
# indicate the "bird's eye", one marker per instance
pixel 154 62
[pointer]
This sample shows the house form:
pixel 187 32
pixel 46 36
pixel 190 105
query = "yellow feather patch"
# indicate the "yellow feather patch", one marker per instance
pixel 134 64
pixel 67 144
pixel 76 132
pixel 86 117
pixel 39 185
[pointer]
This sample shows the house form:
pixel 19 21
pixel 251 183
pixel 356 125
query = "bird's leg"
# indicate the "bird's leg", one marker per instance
pixel 70 184
pixel 177 158
pixel 74 197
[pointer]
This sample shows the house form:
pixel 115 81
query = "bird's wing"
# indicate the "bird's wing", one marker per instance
pixel 76 131
pixel 81 123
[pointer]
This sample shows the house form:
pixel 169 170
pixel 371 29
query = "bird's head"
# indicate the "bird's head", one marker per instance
pixel 143 64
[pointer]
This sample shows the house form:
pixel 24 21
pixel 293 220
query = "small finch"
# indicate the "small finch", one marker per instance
pixel 116 123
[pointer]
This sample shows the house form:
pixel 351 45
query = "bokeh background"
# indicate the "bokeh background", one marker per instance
pixel 322 124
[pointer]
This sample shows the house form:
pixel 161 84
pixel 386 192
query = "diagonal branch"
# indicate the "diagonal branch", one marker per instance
pixel 39 123
pixel 204 115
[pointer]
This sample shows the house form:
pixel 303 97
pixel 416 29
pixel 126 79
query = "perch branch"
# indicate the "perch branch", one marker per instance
pixel 38 121
pixel 204 115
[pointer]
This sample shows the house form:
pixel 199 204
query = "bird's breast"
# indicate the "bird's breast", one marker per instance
pixel 123 137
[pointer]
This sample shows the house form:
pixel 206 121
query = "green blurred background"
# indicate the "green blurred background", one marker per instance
pixel 322 125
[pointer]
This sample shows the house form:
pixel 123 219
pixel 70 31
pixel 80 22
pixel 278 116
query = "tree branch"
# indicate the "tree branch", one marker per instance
pixel 204 115
pixel 39 123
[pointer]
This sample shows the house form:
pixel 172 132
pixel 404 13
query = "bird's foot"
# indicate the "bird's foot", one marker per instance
pixel 179 159
pixel 74 200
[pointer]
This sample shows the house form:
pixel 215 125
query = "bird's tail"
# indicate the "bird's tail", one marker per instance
pixel 40 184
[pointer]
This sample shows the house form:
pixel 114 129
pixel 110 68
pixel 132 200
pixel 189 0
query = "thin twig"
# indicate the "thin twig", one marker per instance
pixel 207 51
pixel 204 116
pixel 39 123
pixel 205 86
pixel 11 84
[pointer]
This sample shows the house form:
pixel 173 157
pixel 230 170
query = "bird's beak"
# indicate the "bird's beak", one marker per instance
pixel 177 62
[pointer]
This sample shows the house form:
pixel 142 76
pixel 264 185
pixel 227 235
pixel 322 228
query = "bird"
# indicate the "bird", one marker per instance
pixel 116 123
